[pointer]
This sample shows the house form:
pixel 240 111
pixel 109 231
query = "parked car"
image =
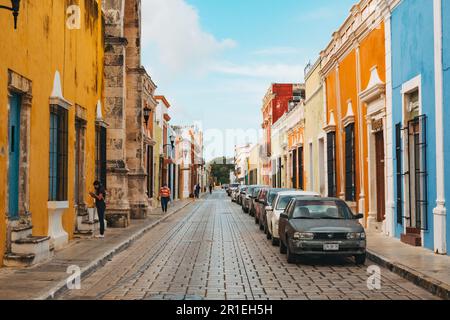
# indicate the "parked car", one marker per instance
pixel 265 200
pixel 260 198
pixel 253 198
pixel 279 204
pixel 242 193
pixel 246 200
pixel 234 193
pixel 231 188
pixel 225 187
pixel 321 226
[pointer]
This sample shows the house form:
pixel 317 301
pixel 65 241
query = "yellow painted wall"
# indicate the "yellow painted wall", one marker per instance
pixel 314 120
pixel 36 50
pixel 371 53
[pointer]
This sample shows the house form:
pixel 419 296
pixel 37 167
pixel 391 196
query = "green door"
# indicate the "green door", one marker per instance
pixel 14 156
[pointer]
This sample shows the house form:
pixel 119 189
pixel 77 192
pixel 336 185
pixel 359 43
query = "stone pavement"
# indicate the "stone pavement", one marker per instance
pixel 212 250
pixel 419 265
pixel 42 281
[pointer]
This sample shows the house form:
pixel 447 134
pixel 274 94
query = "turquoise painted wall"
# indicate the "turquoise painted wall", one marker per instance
pixel 413 55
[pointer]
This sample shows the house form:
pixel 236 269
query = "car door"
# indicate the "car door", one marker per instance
pixel 270 215
pixel 283 223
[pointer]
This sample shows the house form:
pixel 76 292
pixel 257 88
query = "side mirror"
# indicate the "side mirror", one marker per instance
pixel 284 216
pixel 269 208
pixel 359 216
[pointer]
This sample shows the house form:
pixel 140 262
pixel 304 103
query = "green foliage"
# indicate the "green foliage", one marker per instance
pixel 221 172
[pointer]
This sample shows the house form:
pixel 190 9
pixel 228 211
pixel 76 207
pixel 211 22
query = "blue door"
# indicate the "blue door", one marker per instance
pixel 14 153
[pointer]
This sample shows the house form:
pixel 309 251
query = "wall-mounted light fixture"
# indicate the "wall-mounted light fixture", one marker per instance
pixel 146 115
pixel 15 5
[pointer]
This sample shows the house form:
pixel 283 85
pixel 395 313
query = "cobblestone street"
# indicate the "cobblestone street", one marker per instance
pixel 212 250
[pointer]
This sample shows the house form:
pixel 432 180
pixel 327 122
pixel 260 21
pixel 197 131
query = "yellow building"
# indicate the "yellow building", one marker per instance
pixel 313 134
pixel 51 79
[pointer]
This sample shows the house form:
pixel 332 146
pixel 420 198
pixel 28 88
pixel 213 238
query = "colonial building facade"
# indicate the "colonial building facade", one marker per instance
pixel 314 136
pixel 420 86
pixel 50 100
pixel 354 72
pixel 125 103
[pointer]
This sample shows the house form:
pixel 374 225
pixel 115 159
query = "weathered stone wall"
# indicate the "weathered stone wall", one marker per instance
pixel 118 208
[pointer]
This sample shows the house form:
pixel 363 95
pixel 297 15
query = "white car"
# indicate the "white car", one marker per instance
pixel 277 208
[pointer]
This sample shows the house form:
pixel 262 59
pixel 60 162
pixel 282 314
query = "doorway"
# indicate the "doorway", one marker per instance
pixel 14 156
pixel 380 176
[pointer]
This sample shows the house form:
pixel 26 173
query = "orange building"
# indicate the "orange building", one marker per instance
pixel 354 73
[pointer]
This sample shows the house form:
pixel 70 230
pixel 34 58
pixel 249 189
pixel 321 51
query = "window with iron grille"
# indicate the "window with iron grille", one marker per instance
pixel 300 168
pixel 331 163
pixel 417 172
pixel 399 173
pixel 100 154
pixel 350 176
pixel 58 154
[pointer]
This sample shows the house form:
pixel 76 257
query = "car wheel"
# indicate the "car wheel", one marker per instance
pixel 268 235
pixel 291 257
pixel 360 259
pixel 283 248
pixel 276 242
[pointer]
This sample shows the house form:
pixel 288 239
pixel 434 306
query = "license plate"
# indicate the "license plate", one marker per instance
pixel 331 247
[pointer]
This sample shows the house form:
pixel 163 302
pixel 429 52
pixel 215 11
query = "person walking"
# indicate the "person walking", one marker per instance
pixel 197 190
pixel 164 194
pixel 100 195
pixel 210 188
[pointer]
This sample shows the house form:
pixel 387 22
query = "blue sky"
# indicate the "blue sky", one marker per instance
pixel 215 59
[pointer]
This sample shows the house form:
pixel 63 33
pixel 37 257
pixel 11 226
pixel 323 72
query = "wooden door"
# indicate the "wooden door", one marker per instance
pixel 379 151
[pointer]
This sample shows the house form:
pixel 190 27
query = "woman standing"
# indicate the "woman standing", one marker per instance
pixel 164 194
pixel 99 195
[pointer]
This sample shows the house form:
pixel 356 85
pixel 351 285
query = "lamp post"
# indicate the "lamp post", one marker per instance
pixel 15 6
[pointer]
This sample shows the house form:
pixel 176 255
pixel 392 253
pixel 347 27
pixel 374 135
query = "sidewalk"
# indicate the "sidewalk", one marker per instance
pixel 418 265
pixel 45 280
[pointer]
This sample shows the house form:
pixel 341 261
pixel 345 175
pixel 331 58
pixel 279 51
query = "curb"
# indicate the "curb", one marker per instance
pixel 436 287
pixel 60 288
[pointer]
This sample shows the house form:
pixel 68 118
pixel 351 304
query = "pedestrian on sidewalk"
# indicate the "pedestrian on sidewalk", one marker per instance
pixel 100 195
pixel 197 190
pixel 210 188
pixel 164 194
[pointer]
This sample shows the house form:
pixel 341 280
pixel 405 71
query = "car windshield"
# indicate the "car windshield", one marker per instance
pixel 271 197
pixel 322 209
pixel 283 202
pixel 255 192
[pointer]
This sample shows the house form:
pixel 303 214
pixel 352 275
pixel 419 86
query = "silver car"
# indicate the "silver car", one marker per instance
pixel 321 226
pixel 278 205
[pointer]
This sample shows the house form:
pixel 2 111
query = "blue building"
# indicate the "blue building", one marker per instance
pixel 446 105
pixel 419 79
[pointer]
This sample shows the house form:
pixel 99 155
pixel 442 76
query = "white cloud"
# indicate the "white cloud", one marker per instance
pixel 276 72
pixel 276 51
pixel 173 27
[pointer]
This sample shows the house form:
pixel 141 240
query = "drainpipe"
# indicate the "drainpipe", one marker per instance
pixel 439 212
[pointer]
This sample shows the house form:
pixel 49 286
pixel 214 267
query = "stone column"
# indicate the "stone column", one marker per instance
pixel 118 208
pixel 134 112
